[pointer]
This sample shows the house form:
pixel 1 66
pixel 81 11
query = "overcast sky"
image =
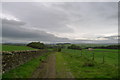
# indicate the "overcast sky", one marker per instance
pixel 49 22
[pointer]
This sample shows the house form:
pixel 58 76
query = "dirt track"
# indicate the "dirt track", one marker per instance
pixel 46 69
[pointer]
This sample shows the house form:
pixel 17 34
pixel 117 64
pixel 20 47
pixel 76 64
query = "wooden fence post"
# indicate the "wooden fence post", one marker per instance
pixel 81 52
pixel 93 57
pixel 103 59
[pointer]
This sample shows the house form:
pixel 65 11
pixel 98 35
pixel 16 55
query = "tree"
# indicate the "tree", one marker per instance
pixel 73 46
pixel 37 45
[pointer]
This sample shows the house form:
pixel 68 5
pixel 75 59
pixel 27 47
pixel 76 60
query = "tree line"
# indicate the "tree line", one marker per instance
pixel 58 47
pixel 107 47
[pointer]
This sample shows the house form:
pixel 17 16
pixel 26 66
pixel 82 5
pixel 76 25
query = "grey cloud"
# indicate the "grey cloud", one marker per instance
pixel 112 37
pixel 12 22
pixel 109 39
pixel 10 31
pixel 40 16
pixel 54 17
pixel 96 41
pixel 94 18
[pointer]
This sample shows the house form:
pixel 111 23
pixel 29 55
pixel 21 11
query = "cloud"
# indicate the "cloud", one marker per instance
pixel 14 30
pixel 60 22
pixel 114 37
pixel 100 40
pixel 40 16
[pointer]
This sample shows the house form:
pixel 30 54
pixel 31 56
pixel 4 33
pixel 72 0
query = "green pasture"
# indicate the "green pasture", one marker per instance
pixel 83 65
pixel 15 48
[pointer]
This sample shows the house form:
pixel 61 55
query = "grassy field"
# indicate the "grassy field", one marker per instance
pixel 110 55
pixel 116 50
pixel 25 70
pixel 82 66
pixel 79 63
pixel 15 48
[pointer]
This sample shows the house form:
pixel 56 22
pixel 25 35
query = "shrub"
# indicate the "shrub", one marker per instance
pixel 88 64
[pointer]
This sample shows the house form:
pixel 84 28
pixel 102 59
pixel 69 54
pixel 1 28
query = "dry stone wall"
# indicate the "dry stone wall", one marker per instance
pixel 13 59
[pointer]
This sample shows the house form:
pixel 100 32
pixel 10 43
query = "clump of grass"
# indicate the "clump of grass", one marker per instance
pixel 42 59
pixel 89 64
